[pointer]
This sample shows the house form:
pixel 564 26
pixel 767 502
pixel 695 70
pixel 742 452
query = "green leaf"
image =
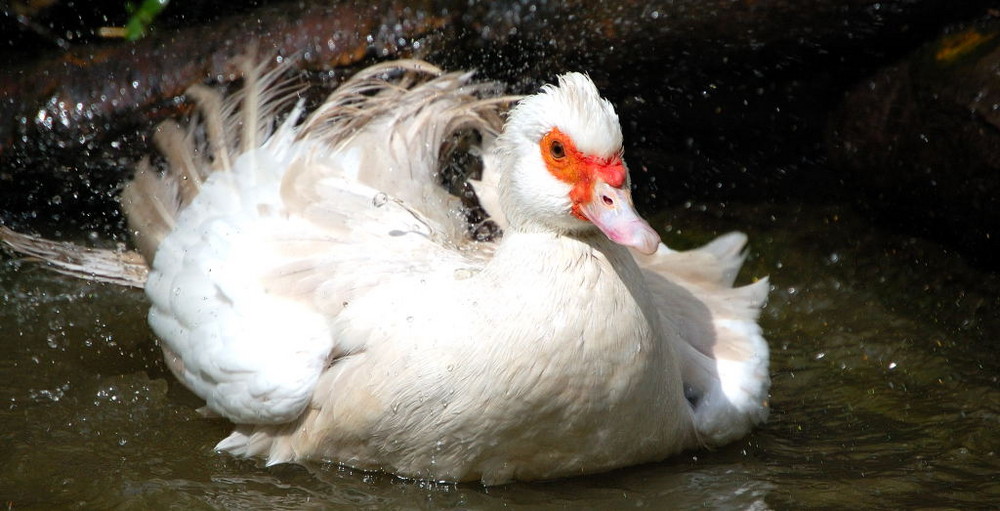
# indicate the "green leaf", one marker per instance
pixel 138 24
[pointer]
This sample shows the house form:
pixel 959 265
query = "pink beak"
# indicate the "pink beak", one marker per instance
pixel 612 212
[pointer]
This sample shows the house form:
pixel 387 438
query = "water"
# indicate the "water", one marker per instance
pixel 885 394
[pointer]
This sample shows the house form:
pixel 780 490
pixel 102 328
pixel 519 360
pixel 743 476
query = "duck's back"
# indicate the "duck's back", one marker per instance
pixel 258 237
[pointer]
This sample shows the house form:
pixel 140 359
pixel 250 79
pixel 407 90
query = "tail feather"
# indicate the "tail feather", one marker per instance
pixel 252 110
pixel 210 104
pixel 122 267
pixel 175 144
pixel 241 122
pixel 364 97
pixel 151 203
pixel 419 107
pixel 232 125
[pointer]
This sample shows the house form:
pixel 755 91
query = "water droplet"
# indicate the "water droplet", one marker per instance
pixel 380 200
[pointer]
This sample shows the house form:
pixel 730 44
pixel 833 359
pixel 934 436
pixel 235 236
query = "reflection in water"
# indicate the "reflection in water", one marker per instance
pixel 884 395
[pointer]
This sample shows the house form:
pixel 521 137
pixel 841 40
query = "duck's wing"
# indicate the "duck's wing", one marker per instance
pixel 724 356
pixel 262 233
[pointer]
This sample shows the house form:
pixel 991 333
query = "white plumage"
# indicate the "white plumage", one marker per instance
pixel 313 283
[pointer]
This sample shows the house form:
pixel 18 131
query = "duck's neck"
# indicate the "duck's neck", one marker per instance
pixel 585 262
pixel 578 296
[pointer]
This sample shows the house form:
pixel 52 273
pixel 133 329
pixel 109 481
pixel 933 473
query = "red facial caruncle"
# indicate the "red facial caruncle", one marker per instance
pixel 571 166
pixel 599 192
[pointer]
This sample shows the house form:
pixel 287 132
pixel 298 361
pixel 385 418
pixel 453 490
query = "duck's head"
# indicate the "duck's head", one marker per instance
pixel 562 166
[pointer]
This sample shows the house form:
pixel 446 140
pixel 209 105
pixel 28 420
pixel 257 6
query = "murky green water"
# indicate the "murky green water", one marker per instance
pixel 885 394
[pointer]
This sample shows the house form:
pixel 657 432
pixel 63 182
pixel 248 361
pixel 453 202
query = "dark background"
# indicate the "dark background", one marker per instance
pixel 888 106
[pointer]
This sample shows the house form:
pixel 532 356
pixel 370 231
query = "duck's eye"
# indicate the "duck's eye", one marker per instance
pixel 557 150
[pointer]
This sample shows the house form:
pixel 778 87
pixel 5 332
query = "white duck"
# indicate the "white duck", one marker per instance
pixel 316 286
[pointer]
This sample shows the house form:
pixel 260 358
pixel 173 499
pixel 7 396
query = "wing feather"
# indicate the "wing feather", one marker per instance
pixel 291 223
pixel 724 354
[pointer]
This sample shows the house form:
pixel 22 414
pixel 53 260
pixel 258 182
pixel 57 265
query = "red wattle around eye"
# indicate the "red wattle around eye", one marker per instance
pixel 569 165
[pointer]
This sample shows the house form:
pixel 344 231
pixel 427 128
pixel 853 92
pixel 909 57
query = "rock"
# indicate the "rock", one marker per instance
pixel 920 141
